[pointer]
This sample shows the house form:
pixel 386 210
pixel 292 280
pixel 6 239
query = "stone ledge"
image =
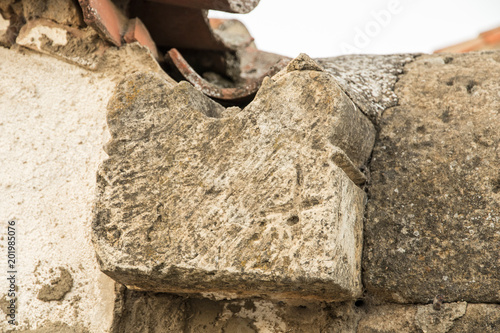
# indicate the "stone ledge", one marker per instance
pixel 196 200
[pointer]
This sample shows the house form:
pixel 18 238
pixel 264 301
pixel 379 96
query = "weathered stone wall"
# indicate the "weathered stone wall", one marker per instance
pixel 217 219
pixel 431 229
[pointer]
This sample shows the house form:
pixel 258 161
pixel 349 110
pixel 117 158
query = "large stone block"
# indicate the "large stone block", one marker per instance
pixel 433 218
pixel 196 198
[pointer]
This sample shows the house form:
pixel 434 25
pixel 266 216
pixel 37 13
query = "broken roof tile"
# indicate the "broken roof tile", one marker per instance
pixel 485 41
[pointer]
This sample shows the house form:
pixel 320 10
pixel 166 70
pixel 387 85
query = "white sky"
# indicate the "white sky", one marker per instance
pixel 323 28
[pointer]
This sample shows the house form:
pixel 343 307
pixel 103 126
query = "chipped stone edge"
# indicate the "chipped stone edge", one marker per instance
pixel 341 159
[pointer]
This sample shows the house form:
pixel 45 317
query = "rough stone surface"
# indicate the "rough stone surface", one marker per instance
pixel 57 327
pixel 133 313
pixel 368 80
pixel 18 12
pixel 58 287
pixel 199 199
pixel 430 320
pixel 388 319
pixel 433 218
pixel 173 313
pixel 83 47
pixel 4 25
pixel 452 318
pixel 11 21
pixel 303 63
pixel 432 228
pixel 66 12
pixel 479 318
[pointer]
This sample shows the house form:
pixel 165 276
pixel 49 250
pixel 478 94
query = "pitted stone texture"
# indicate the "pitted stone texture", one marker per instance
pixel 199 199
pixel 433 218
pixel 389 319
pixel 83 47
pixel 452 318
pixel 430 320
pixel 173 314
pixel 303 63
pixel 480 318
pixel 66 12
pixel 368 80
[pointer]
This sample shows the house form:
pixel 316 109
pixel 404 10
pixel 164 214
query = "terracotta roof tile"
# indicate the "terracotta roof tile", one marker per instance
pixel 492 36
pixel 487 40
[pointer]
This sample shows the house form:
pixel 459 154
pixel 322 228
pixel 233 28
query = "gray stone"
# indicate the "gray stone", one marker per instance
pixel 368 80
pixel 194 199
pixel 433 218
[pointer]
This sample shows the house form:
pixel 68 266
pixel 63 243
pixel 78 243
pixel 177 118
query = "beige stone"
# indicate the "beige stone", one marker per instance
pixel 67 12
pixel 451 318
pixel 195 198
pixel 216 203
pixel 430 320
pixel 83 47
pixel 174 313
pixel 479 318
pixel 388 319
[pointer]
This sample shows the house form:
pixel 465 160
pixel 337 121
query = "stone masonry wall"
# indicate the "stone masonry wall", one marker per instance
pixel 431 227
pixel 353 194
